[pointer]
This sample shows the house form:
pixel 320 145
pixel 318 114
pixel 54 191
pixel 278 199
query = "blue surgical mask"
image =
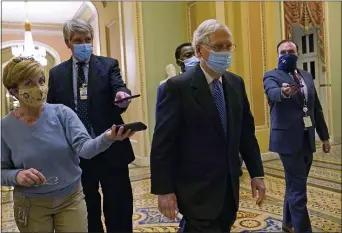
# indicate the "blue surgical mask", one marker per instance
pixel 190 62
pixel 219 61
pixel 287 62
pixel 83 51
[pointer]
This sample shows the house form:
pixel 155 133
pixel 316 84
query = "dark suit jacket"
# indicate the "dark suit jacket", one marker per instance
pixel 104 81
pixel 190 154
pixel 160 94
pixel 287 126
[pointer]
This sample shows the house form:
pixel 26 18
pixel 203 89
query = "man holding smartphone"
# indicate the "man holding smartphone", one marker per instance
pixel 90 85
pixel 296 113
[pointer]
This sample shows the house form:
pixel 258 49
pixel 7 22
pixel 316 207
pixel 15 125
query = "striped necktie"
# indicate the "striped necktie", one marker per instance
pixel 218 96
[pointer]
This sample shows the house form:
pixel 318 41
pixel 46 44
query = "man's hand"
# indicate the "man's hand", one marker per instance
pixel 258 190
pixel 114 135
pixel 167 205
pixel 326 146
pixel 289 90
pixel 30 177
pixel 120 95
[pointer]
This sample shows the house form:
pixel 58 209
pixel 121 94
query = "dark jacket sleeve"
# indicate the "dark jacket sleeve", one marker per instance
pixel 249 147
pixel 116 81
pixel 51 97
pixel 321 126
pixel 160 93
pixel 272 89
pixel 164 147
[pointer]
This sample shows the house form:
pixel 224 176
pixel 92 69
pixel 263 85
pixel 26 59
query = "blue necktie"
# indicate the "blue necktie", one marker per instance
pixel 220 103
pixel 82 105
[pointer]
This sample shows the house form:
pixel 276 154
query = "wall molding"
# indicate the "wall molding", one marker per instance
pixel 134 57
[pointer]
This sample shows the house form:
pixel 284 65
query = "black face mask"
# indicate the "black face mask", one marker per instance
pixel 287 62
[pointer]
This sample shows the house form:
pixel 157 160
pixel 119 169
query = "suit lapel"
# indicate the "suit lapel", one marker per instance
pixel 205 99
pixel 92 75
pixel 69 90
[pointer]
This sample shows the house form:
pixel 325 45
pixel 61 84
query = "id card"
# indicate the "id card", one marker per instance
pixel 307 121
pixel 84 93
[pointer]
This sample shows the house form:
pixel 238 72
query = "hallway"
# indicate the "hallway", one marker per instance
pixel 324 195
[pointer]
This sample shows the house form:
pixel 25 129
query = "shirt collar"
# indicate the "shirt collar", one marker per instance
pixel 208 77
pixel 74 61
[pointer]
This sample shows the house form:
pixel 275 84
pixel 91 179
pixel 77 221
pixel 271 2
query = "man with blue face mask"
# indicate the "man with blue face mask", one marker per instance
pixel 89 85
pixel 296 113
pixel 185 59
pixel 203 123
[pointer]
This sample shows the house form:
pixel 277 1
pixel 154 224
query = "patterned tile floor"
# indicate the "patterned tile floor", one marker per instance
pixel 324 199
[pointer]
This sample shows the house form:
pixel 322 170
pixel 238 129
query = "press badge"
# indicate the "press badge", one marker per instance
pixel 84 92
pixel 307 121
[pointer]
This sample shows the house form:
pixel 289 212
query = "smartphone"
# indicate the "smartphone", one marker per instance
pixel 135 126
pixel 127 98
pixel 296 85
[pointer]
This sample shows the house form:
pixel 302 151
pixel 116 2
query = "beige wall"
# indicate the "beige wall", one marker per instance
pixel 164 28
pixel 334 61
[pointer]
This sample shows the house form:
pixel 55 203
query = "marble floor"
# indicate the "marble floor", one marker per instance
pixel 324 199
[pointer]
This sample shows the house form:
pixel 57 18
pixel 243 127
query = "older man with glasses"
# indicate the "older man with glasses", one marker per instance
pixel 205 121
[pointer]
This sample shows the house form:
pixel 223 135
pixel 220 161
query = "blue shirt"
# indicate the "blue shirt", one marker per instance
pixel 52 145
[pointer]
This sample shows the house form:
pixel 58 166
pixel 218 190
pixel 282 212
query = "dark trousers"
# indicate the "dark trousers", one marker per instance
pixel 117 196
pixel 222 224
pixel 297 168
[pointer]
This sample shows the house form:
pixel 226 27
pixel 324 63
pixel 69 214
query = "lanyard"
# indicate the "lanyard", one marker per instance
pixel 299 81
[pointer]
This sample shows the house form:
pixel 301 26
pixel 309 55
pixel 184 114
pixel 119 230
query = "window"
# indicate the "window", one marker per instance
pixel 311 44
pixel 303 44
pixel 313 69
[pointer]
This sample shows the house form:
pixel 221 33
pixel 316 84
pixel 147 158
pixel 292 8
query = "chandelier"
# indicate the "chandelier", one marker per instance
pixel 28 49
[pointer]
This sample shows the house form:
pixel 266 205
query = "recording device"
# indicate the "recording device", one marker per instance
pixel 127 98
pixel 296 85
pixel 135 126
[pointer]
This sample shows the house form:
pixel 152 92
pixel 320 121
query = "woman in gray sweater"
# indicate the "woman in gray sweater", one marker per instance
pixel 40 149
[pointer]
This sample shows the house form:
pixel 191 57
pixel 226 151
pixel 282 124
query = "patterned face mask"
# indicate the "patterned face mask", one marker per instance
pixel 34 97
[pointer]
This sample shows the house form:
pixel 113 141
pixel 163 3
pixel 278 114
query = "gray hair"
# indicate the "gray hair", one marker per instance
pixel 205 29
pixel 76 25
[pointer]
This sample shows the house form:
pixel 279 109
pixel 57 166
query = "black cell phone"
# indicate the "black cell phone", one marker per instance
pixel 296 85
pixel 127 98
pixel 135 126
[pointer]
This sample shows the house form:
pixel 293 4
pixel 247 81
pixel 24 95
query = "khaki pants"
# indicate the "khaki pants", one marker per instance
pixel 67 214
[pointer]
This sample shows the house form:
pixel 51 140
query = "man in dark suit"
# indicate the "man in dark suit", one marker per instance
pixel 295 114
pixel 89 85
pixel 204 121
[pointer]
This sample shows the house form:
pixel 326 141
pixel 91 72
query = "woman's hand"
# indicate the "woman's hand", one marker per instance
pixel 119 136
pixel 30 177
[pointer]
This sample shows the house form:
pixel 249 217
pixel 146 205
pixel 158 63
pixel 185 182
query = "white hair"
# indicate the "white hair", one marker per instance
pixel 76 25
pixel 205 29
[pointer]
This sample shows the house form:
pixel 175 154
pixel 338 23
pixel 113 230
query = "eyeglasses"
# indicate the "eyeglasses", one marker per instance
pixel 49 181
pixel 222 48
